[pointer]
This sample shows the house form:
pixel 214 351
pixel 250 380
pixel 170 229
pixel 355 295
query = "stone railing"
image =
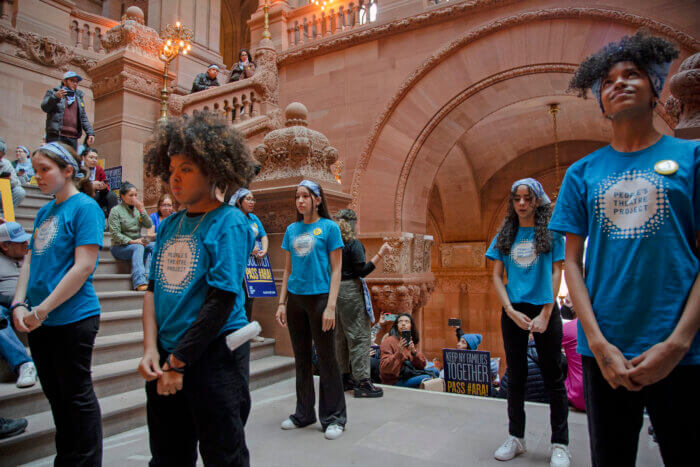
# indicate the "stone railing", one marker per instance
pixel 310 23
pixel 238 101
pixel 6 7
pixel 87 30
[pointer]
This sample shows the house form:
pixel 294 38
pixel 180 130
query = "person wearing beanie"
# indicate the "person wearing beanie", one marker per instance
pixel 66 118
pixel 204 81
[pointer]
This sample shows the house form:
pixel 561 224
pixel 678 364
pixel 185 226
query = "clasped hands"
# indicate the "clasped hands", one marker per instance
pixel 169 382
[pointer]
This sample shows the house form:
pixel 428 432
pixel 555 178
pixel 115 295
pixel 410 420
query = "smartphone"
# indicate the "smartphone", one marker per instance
pixel 390 316
pixel 454 322
pixel 406 335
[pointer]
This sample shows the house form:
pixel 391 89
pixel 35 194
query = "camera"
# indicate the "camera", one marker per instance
pixel 406 335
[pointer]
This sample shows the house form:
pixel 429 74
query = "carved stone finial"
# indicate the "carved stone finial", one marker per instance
pixel 296 150
pixel 684 105
pixel 134 13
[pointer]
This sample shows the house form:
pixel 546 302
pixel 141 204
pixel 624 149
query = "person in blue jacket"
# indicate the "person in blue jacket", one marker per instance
pixel 637 202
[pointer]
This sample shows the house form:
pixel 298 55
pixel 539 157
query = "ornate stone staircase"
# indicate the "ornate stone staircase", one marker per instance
pixel 118 348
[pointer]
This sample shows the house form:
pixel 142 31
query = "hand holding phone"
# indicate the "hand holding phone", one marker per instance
pixel 389 316
pixel 454 322
pixel 406 335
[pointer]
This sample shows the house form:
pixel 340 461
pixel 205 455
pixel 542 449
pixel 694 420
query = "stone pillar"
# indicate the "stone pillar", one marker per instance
pixel 684 103
pixel 203 17
pixel 287 156
pixel 126 90
pixel 277 20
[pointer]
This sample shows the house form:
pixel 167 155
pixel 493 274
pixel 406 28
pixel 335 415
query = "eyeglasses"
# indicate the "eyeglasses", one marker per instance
pixel 249 200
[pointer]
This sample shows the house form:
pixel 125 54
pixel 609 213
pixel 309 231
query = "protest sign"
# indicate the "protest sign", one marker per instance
pixel 114 177
pixel 8 209
pixel 467 371
pixel 259 281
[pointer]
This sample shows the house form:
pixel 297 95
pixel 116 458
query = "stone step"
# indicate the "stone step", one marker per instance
pixel 116 301
pixel 109 265
pixel 111 282
pixel 116 347
pixel 120 412
pixel 120 322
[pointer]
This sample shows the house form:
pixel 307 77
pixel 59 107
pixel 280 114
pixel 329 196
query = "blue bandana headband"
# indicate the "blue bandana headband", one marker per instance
pixel 60 151
pixel 311 186
pixel 240 193
pixel 657 72
pixel 23 148
pixel 535 187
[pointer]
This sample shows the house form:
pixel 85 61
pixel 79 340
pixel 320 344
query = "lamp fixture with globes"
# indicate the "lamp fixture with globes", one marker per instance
pixel 176 41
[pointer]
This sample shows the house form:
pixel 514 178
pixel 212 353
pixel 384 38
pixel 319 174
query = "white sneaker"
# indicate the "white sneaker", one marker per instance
pixel 561 457
pixel 27 375
pixel 334 431
pixel 288 424
pixel 510 448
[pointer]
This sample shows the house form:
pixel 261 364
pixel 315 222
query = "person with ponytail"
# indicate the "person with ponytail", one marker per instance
pixel 532 258
pixel 307 305
pixel 55 301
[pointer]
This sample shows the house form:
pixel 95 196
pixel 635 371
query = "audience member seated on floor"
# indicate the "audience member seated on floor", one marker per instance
pixel 401 363
pixel 8 171
pixel 103 194
pixel 574 374
pixel 467 341
pixel 165 207
pixel 381 329
pixel 23 165
pixel 125 222
pixel 13 247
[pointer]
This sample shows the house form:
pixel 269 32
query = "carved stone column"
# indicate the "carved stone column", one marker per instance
pixel 684 104
pixel 126 89
pixel 289 155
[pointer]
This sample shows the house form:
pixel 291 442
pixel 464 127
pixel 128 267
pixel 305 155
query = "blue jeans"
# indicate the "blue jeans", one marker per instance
pixel 412 382
pixel 140 257
pixel 11 349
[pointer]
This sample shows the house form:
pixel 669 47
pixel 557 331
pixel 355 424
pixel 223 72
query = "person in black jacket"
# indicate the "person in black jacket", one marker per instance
pixel 65 113
pixel 354 307
pixel 204 81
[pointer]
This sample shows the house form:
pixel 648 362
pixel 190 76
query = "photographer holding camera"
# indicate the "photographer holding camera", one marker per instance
pixel 402 364
pixel 66 118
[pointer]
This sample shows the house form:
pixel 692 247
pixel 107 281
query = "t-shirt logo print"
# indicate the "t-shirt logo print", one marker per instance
pixel 303 244
pixel 523 253
pixel 177 263
pixel 632 204
pixel 45 234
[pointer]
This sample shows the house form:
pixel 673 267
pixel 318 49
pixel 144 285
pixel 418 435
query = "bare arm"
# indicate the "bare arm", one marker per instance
pixel 281 315
pixel 149 367
pixel 521 319
pixel 265 244
pixel 336 257
pixel 23 280
pixel 613 365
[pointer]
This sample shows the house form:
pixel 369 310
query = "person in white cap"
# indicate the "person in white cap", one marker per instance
pixel 13 247
pixel 66 118
pixel 206 80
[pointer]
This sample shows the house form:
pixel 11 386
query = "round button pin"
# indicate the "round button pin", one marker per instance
pixel 317 231
pixel 666 167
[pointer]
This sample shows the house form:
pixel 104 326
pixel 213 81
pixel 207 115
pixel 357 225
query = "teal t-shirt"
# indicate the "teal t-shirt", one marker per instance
pixel 256 226
pixel 529 274
pixel 309 246
pixel 58 230
pixel 641 225
pixel 192 254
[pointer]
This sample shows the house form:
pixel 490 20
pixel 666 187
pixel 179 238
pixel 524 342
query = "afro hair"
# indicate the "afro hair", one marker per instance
pixel 210 141
pixel 641 49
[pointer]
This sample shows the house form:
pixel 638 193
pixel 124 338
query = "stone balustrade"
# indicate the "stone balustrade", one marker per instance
pixel 238 101
pixel 6 9
pixel 87 30
pixel 309 23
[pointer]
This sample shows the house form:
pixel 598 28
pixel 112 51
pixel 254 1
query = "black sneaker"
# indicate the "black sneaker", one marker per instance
pixel 12 426
pixel 349 382
pixel 365 388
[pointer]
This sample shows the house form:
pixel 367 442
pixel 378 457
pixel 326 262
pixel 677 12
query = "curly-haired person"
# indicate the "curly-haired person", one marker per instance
pixel 532 257
pixel 197 389
pixel 638 203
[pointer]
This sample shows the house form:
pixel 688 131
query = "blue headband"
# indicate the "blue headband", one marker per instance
pixel 311 186
pixel 60 151
pixel 536 188
pixel 23 148
pixel 240 193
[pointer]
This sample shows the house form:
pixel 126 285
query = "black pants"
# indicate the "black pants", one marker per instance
pixel 72 142
pixel 62 355
pixel 548 346
pixel 615 416
pixel 304 320
pixel 107 200
pixel 211 408
pixel 248 303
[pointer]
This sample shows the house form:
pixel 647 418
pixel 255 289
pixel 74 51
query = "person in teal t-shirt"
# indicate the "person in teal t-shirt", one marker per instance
pixel 531 256
pixel 244 200
pixel 197 388
pixel 307 305
pixel 638 303
pixel 56 303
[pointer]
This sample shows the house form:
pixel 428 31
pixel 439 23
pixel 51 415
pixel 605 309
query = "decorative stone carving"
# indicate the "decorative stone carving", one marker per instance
pixel 133 35
pixel 463 255
pixel 277 216
pixel 421 253
pixel 266 75
pixel 374 33
pixel 397 297
pixel 684 105
pixel 446 251
pixel 44 50
pixel 450 284
pixel 129 78
pixel 398 260
pixel 295 150
pixel 478 284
